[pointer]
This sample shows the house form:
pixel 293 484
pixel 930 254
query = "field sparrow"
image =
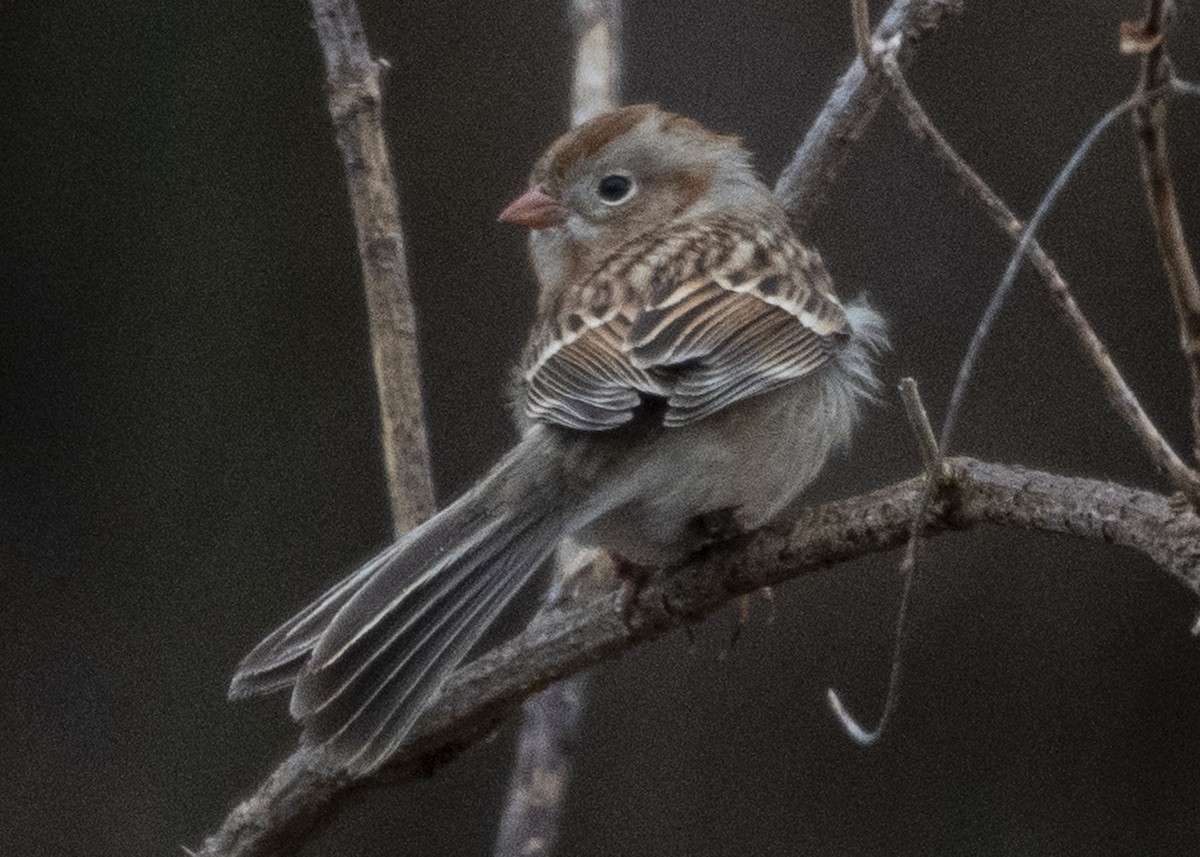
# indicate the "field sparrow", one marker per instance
pixel 690 369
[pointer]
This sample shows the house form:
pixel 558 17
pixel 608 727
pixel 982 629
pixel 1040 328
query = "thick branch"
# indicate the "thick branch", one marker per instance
pixel 1151 124
pixel 303 792
pixel 849 110
pixel 354 104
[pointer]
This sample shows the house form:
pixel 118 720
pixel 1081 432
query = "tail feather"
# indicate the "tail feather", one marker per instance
pixel 367 718
pixel 367 656
pixel 387 639
pixel 276 662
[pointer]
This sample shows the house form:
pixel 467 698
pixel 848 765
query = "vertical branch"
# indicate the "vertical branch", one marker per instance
pixel 550 719
pixel 1150 120
pixel 595 86
pixel 549 726
pixel 355 107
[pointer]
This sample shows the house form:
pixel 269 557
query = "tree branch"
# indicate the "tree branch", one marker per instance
pixel 304 791
pixel 354 104
pixel 1120 394
pixel 541 770
pixel 1150 121
pixel 550 720
pixel 848 111
pixel 596 82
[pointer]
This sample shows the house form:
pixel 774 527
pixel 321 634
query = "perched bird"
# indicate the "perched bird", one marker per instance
pixel 689 371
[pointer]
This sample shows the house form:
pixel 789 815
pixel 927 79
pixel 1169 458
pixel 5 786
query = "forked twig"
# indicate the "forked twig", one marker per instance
pixel 1119 393
pixel 805 181
pixel 1150 121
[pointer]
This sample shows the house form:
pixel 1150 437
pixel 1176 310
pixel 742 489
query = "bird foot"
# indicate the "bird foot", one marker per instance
pixel 720 525
pixel 744 605
pixel 633 579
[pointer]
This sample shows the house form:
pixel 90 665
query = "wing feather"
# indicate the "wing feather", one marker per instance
pixel 678 327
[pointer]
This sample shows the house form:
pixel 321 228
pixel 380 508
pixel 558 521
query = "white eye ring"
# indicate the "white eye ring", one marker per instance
pixel 616 188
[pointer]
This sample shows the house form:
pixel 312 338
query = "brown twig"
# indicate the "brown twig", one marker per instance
pixel 1120 395
pixel 937 471
pixel 848 112
pixel 304 792
pixel 918 421
pixel 1150 121
pixel 884 58
pixel 861 18
pixel 353 78
pixel 596 82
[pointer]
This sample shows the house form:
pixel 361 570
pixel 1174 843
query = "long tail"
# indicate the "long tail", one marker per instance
pixel 367 656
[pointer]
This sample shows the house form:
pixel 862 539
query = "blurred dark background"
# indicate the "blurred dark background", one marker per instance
pixel 189 440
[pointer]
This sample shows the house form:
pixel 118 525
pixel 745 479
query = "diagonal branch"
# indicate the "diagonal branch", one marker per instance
pixel 355 107
pixel 304 792
pixel 848 112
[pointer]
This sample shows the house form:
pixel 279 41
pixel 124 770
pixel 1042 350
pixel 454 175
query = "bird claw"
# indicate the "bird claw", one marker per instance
pixel 744 605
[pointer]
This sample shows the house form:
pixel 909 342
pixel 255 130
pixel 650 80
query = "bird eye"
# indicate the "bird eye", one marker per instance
pixel 615 189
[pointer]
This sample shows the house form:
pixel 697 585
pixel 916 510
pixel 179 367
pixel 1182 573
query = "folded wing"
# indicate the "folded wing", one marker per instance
pixel 703 320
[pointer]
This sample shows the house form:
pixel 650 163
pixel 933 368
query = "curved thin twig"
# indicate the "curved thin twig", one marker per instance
pixel 1119 393
pixel 1000 295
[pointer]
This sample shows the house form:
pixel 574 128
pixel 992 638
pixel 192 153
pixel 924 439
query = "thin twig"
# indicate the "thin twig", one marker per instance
pixel 353 77
pixel 861 17
pixel 918 421
pixel 1120 395
pixel 303 793
pixel 967 368
pixel 1150 122
pixel 848 111
pixel 936 472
